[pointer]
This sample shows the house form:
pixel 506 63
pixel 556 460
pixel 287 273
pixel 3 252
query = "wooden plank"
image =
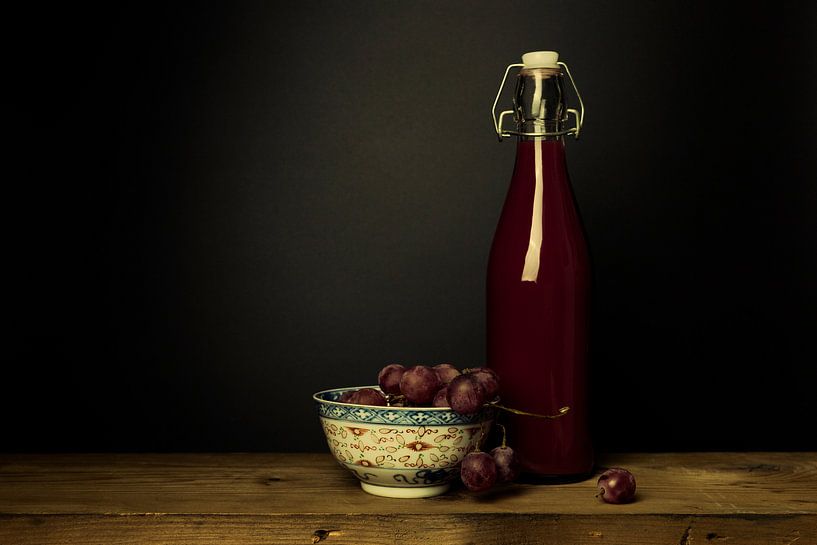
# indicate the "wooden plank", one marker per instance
pixel 674 484
pixel 683 499
pixel 483 529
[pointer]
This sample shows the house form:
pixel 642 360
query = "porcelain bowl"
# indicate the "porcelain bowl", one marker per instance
pixel 399 452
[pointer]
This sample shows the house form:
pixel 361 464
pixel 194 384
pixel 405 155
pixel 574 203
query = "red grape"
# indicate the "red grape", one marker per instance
pixel 478 471
pixel 441 398
pixel 617 485
pixel 465 394
pixel 507 466
pixel 489 381
pixel 346 396
pixel 369 396
pixel 419 384
pixel 389 378
pixel 446 372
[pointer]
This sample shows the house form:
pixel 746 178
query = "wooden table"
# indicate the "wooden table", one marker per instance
pixel 683 499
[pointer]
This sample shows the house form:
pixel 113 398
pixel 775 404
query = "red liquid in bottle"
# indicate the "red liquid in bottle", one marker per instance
pixel 538 283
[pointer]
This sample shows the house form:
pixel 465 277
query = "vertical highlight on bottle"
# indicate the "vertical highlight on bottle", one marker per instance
pixel 530 271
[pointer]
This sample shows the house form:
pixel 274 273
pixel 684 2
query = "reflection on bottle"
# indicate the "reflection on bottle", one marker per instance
pixel 530 271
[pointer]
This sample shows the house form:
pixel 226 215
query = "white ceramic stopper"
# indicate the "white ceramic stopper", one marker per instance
pixel 541 59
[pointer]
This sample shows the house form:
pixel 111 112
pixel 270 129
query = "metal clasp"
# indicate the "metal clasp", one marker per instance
pixel 578 114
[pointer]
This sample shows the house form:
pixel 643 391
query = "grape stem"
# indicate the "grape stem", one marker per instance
pixel 504 435
pixel 479 439
pixel 563 411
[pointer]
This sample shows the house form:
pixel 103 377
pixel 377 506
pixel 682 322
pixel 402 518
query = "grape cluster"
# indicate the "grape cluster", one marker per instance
pixel 442 385
pixel 480 471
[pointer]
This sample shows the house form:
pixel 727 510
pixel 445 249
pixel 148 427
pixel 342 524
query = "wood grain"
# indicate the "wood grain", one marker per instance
pixel 683 499
pixel 482 529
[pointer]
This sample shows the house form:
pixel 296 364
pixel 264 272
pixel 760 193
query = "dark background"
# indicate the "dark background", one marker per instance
pixel 212 213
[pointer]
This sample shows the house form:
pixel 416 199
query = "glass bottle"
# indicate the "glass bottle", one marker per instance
pixel 538 281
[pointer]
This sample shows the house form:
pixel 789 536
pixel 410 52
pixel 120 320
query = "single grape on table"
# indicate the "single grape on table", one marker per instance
pixel 616 485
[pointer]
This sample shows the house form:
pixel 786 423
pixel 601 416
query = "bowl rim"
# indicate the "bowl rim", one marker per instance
pixel 375 387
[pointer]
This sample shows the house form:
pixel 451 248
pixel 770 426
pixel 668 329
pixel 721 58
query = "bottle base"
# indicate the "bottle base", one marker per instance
pixel 534 478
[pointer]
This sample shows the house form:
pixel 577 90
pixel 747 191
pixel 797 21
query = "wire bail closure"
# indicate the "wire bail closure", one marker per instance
pixel 578 114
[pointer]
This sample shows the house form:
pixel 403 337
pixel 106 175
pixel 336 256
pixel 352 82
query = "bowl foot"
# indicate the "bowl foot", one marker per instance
pixel 414 492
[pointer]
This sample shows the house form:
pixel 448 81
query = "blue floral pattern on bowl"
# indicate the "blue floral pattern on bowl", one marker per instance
pixel 329 407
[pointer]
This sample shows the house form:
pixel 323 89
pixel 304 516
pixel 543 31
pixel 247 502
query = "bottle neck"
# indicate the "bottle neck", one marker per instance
pixel 539 103
pixel 540 160
pixel 537 155
pixel 540 128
